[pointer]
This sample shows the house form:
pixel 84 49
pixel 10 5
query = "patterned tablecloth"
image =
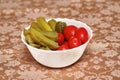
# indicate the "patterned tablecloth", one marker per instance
pixel 101 59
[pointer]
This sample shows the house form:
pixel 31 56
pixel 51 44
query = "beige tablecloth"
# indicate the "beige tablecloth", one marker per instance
pixel 101 59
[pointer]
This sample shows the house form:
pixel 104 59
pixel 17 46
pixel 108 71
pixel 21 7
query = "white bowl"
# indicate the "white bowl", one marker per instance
pixel 59 59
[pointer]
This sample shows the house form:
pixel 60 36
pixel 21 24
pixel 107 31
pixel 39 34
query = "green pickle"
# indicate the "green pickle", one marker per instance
pixel 45 48
pixel 52 24
pixel 43 34
pixel 38 37
pixel 53 35
pixel 41 21
pixel 35 39
pixel 29 39
pixel 36 26
pixel 50 34
pixel 60 26
pixel 26 32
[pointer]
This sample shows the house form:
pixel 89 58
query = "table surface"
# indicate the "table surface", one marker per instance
pixel 101 59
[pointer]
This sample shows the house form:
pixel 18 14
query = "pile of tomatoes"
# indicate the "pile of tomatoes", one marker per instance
pixel 72 37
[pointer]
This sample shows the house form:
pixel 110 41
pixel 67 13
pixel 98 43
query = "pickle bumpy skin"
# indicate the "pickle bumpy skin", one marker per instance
pixel 41 38
pixel 44 24
pixel 52 24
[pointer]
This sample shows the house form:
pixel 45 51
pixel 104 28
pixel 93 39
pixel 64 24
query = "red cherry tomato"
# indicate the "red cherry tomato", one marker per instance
pixel 64 46
pixel 69 31
pixel 74 42
pixel 60 39
pixel 82 34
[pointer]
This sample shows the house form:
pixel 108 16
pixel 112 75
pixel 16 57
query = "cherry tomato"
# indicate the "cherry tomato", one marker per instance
pixel 82 34
pixel 74 42
pixel 64 46
pixel 60 39
pixel 69 31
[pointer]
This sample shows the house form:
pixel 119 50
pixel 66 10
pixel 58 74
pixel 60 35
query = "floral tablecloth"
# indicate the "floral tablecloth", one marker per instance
pixel 101 59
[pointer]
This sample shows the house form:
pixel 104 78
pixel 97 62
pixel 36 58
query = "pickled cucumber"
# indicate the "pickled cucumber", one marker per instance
pixel 52 24
pixel 41 21
pixel 36 26
pixel 25 32
pixel 43 34
pixel 50 34
pixel 38 37
pixel 60 26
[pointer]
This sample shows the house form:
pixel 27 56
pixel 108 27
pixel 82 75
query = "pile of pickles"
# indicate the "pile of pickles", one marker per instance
pixel 43 34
